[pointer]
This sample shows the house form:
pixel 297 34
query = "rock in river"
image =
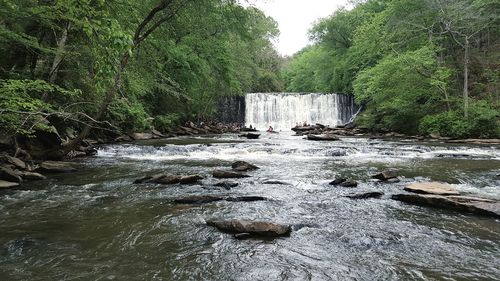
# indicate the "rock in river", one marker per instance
pixel 227 174
pixel 57 167
pixel 8 174
pixel 464 204
pixel 243 166
pixel 169 179
pixel 198 199
pixel 254 228
pixel 7 184
pixel 365 195
pixel 226 184
pixel 385 175
pixel 337 181
pixel 435 188
pixel 326 137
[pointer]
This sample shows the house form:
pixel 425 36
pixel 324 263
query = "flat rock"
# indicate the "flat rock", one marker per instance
pixel 435 188
pixel 227 174
pixel 57 167
pixel 322 137
pixel 254 228
pixel 31 176
pixel 202 199
pixel 463 204
pixel 243 166
pixel 365 195
pixel 8 184
pixel 385 175
pixel 250 136
pixel 169 179
pixel 7 174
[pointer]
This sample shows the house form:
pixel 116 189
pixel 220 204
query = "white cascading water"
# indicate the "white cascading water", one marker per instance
pixel 283 111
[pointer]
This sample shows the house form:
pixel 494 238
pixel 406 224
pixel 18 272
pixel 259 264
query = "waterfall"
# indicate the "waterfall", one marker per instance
pixel 283 110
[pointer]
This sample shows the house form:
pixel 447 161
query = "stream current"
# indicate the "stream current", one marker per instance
pixel 96 225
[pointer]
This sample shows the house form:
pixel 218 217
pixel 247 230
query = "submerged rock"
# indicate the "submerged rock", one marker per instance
pixel 226 184
pixel 198 199
pixel 246 199
pixel 365 195
pixel 435 188
pixel 7 184
pixel 57 167
pixel 243 166
pixel 465 204
pixel 253 228
pixel 227 174
pixel 349 183
pixel 337 181
pixel 169 179
pixel 276 182
pixel 326 137
pixel 385 175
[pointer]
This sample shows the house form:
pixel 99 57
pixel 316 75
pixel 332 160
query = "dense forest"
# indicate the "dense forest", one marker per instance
pixel 417 66
pixel 128 65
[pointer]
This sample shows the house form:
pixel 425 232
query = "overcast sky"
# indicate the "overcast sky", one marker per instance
pixel 295 18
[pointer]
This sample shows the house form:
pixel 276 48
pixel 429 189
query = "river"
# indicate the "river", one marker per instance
pixel 96 225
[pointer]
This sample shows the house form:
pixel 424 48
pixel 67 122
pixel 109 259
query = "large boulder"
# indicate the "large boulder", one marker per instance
pixel 7 174
pixel 385 175
pixel 57 167
pixel 243 166
pixel 435 188
pixel 254 228
pixel 7 184
pixel 220 174
pixel 464 204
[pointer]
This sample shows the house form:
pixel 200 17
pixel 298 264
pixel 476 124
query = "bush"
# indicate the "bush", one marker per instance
pixel 165 122
pixel 129 116
pixel 483 122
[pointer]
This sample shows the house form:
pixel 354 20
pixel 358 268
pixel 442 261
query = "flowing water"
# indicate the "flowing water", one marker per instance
pixel 283 110
pixel 96 225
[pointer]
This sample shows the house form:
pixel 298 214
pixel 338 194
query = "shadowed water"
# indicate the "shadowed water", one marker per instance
pixel 96 225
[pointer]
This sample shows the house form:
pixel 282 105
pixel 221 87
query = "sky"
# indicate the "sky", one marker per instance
pixel 295 18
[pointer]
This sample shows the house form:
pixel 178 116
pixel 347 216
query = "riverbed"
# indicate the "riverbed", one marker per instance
pixel 96 225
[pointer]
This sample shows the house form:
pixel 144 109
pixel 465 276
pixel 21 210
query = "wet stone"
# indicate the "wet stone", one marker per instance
pixel 254 228
pixel 365 195
pixel 227 174
pixel 385 175
pixel 435 188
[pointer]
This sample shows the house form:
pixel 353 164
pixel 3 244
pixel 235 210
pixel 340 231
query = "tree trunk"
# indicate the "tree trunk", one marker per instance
pixel 466 77
pixel 54 69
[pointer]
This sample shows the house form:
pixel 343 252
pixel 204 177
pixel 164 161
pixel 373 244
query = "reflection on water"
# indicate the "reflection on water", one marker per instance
pixel 96 225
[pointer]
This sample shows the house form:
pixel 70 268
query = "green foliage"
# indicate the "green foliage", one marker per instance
pixel 129 116
pixel 166 122
pixel 483 122
pixel 404 60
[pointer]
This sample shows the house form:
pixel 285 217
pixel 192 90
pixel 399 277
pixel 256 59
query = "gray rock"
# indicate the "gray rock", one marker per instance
pixel 169 179
pixel 276 182
pixel 31 176
pixel 337 181
pixel 243 166
pixel 203 199
pixel 57 167
pixel 7 174
pixel 254 228
pixel 385 175
pixel 18 163
pixel 365 195
pixel 226 184
pixel 7 184
pixel 349 183
pixel 435 188
pixel 463 204
pixel 326 137
pixel 227 174
pixel 141 136
pixel 246 199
